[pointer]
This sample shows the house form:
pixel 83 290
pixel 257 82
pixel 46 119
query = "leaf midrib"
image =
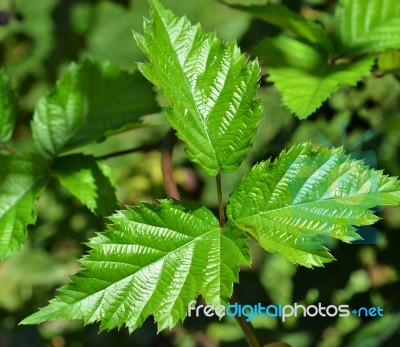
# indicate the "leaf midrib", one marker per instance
pixel 186 82
pixel 162 258
pixel 311 202
pixel 24 193
pixel 19 198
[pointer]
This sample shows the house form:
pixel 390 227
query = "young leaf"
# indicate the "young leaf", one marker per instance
pixel 286 19
pixel 89 180
pixel 302 73
pixel 153 260
pixel 91 101
pixel 367 26
pixel 389 61
pixel 210 85
pixel 8 107
pixel 22 179
pixel 307 193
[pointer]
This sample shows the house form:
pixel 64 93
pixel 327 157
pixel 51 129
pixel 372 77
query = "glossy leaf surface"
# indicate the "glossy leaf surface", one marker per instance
pixel 211 87
pixel 153 260
pixel 305 194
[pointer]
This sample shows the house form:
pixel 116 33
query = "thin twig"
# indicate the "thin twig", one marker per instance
pixel 8 149
pixel 167 148
pixel 247 327
pixel 144 148
pixel 220 201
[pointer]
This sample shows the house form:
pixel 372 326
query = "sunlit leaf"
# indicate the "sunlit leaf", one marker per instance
pixel 153 260
pixel 211 87
pixel 306 194
pixel 364 26
pixel 303 74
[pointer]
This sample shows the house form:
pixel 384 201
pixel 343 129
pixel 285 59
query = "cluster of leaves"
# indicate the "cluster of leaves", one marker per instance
pixel 155 258
pixel 78 111
pixel 308 62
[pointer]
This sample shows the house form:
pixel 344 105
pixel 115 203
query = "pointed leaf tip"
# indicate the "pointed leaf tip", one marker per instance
pixel 306 197
pixel 89 180
pixel 153 260
pixel 211 87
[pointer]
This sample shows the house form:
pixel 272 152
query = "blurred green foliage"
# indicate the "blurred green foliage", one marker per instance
pixel 36 45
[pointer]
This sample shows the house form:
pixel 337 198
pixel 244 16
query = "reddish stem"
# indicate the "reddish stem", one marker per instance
pixel 167 148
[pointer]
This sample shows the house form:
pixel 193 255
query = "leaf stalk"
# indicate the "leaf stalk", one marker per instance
pixel 221 210
pixel 247 327
pixel 144 148
pixel 167 148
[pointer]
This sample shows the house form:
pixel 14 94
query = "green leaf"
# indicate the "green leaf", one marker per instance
pixel 22 179
pixel 366 26
pixel 389 61
pixel 89 180
pixel 153 260
pixel 91 101
pixel 8 107
pixel 286 19
pixel 210 85
pixel 305 194
pixel 303 74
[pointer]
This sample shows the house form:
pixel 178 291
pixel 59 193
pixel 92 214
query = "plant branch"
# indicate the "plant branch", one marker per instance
pixel 247 327
pixel 144 148
pixel 8 149
pixel 167 147
pixel 221 209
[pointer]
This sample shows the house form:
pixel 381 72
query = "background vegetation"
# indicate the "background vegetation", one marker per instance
pixel 38 39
